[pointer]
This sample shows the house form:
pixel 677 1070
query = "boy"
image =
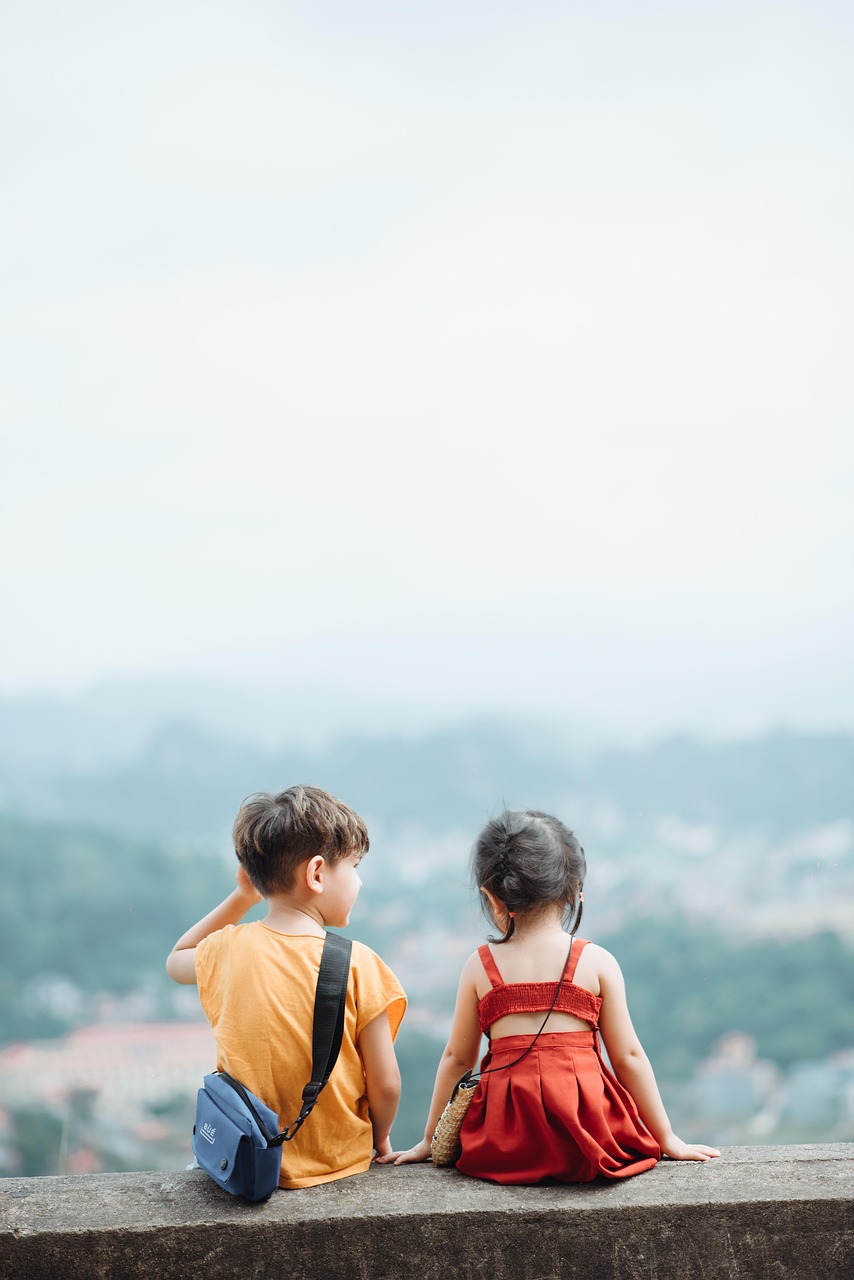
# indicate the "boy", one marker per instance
pixel 299 850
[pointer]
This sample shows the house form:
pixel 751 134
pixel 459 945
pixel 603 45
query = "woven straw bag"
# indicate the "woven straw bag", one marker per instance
pixel 445 1148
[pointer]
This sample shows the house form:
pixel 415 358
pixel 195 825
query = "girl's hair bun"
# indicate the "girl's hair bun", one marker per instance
pixel 529 860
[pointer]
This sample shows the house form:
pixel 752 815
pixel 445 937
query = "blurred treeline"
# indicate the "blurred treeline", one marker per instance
pixel 100 912
pixel 188 781
pixel 105 865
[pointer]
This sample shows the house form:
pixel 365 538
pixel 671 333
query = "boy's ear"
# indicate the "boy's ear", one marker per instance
pixel 313 874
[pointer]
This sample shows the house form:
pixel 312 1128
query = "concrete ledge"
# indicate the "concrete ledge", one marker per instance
pixel 759 1212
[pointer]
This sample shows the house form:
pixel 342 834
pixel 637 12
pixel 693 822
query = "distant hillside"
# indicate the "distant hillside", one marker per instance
pixel 722 875
pixel 115 720
pixel 781 781
pixel 87 918
pixel 82 912
pixel 187 781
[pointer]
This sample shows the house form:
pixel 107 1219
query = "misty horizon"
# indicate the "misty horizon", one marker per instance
pixel 487 361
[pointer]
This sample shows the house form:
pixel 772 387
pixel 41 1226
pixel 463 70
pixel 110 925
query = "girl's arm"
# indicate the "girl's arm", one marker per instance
pixel 460 1056
pixel 181 961
pixel 382 1079
pixel 632 1067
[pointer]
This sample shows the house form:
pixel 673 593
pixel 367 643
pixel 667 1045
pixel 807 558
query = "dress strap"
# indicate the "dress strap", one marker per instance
pixel 490 966
pixel 577 945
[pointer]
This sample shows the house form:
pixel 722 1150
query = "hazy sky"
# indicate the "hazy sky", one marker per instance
pixel 464 354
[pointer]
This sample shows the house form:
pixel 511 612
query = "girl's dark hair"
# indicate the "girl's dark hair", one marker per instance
pixel 529 860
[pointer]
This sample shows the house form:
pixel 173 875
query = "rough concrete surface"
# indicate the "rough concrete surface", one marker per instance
pixel 760 1212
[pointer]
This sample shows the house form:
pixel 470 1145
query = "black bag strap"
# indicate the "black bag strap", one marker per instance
pixel 330 1001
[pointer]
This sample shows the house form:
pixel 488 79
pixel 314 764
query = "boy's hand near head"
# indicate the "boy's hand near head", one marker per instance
pixel 181 961
pixel 246 887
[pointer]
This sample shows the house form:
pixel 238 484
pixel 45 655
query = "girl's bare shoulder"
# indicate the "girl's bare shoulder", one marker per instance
pixel 593 951
pixel 472 969
pixel 596 966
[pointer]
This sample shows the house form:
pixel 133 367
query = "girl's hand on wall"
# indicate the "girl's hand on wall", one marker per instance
pixel 679 1150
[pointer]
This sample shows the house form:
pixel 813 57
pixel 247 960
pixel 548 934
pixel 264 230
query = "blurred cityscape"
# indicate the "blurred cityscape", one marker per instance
pixel 121 1097
pixel 721 875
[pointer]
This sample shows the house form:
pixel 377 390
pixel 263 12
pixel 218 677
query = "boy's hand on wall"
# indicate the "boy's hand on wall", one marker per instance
pixel 415 1155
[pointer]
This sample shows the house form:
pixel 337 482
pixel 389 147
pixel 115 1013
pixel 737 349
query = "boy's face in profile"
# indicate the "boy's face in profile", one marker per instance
pixel 341 885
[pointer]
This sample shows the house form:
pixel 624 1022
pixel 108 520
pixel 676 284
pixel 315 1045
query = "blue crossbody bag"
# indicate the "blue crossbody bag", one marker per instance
pixel 236 1137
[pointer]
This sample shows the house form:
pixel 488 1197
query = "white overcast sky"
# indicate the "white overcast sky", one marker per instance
pixel 463 354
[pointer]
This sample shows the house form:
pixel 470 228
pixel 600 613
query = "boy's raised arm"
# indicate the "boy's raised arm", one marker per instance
pixel 181 961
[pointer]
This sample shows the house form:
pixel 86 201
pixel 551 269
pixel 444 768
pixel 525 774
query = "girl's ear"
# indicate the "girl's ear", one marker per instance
pixel 496 906
pixel 313 874
pixel 500 916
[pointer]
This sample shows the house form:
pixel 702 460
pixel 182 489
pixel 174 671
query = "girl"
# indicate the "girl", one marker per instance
pixel 557 1112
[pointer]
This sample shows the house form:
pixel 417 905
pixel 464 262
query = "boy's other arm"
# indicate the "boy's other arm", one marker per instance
pixel 460 1056
pixel 181 961
pixel 382 1079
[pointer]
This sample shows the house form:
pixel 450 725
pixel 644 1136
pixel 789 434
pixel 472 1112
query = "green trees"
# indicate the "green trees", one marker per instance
pixel 86 911
pixel 688 987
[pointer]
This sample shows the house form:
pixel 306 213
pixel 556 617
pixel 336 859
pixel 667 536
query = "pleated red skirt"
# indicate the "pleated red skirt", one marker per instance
pixel 558 1114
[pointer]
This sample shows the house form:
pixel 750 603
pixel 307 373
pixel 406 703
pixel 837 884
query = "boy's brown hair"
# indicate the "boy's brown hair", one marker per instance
pixel 273 834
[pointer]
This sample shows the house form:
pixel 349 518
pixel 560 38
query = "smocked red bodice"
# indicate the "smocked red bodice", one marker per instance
pixel 536 997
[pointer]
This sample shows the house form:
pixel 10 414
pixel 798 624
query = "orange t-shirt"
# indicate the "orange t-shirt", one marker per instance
pixel 257 988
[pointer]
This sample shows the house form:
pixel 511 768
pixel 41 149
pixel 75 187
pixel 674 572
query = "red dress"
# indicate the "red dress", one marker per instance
pixel 559 1113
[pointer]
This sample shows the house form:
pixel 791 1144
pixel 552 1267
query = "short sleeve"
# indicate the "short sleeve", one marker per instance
pixel 376 989
pixel 209 958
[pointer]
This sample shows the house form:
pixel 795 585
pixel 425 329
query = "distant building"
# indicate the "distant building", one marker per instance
pixel 820 1093
pixel 733 1084
pixel 128 1067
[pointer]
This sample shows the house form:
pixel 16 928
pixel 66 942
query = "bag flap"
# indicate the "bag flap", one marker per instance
pixel 230 1102
pixel 229 1155
pixel 216 1139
